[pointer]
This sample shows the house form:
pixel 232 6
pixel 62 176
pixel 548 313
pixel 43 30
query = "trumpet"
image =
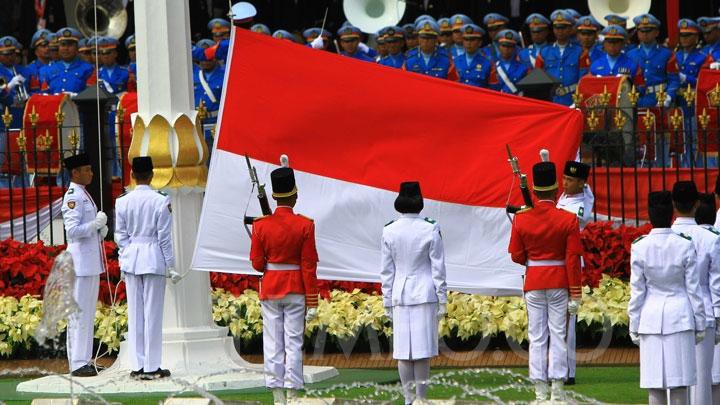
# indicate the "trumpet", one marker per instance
pixel 22 94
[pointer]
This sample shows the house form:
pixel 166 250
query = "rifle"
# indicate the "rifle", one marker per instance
pixel 513 160
pixel 262 197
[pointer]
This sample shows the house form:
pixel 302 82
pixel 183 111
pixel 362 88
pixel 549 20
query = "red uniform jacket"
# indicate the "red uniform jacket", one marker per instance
pixel 548 233
pixel 285 238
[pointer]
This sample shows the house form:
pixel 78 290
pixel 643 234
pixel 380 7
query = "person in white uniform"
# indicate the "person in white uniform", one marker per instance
pixel 707 246
pixel 666 310
pixel 414 290
pixel 143 233
pixel 705 216
pixel 577 198
pixel 85 228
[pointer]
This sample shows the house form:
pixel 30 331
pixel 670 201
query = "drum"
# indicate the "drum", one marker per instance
pixel 708 90
pixel 594 90
pixel 49 141
pixel 123 131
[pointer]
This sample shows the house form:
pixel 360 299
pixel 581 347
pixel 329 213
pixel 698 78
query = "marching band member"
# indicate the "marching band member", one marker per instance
pixel 85 227
pixel 667 316
pixel 458 22
pixel 283 249
pixel 394 39
pixel 69 74
pixel 538 25
pixel 578 199
pixel 546 239
pixel 563 60
pixel 509 70
pixel 429 59
pixel 472 65
pixel 143 233
pixel 414 291
pixel 658 64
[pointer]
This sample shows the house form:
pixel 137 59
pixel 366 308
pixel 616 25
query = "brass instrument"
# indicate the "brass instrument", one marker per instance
pixel 22 94
pixel 112 17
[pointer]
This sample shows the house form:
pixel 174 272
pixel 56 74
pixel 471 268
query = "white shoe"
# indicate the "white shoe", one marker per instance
pixel 279 396
pixel 557 392
pixel 541 391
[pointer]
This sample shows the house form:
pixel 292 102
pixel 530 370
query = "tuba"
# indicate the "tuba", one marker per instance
pixel 112 17
pixel 372 15
pixel 626 8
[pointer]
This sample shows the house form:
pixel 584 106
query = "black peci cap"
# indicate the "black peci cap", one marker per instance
pixel 142 164
pixel 544 176
pixel 75 161
pixel 410 199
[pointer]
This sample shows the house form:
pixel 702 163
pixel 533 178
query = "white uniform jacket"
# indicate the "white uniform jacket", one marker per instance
pixel 413 262
pixel 580 204
pixel 83 239
pixel 665 295
pixel 143 231
pixel 707 246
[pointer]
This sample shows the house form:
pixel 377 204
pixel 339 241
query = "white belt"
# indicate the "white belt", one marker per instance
pixel 282 266
pixel 143 239
pixel 654 89
pixel 536 263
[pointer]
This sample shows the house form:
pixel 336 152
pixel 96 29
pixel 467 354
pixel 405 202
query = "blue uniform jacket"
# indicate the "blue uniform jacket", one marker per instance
pixel 689 65
pixel 659 70
pixel 475 73
pixel 623 66
pixel 514 69
pixel 117 79
pixel 395 61
pixel 528 55
pixel 439 64
pixel 33 80
pixel 61 77
pixel 567 67
pixel 214 80
pixel 359 55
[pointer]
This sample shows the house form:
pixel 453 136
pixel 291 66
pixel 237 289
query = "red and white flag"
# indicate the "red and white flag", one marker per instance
pixel 353 131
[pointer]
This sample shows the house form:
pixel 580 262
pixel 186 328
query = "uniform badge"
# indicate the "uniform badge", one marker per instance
pixel 71 205
pixel 684 24
pixel 573 169
pixel 468 30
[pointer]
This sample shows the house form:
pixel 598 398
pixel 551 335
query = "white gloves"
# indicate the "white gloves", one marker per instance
pixel 175 277
pixel 15 81
pixel 572 106
pixel 442 309
pixel 103 231
pixel 573 307
pixel 311 314
pixel 699 336
pixel 635 337
pixel 715 66
pixel 388 313
pixel 317 43
pixel 100 220
pixel 363 48
pixel 667 101
pixel 683 77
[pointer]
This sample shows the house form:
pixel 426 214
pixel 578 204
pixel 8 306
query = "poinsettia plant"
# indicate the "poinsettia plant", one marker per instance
pixel 607 250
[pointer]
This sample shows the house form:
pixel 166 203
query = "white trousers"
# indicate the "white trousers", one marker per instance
pixel 571 345
pixel 547 325
pixel 283 329
pixel 701 393
pixel 81 324
pixel 145 298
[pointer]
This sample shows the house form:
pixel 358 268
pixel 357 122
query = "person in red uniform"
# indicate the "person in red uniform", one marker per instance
pixel 546 240
pixel 283 249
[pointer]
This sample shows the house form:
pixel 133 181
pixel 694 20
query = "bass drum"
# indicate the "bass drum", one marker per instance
pixel 708 88
pixel 594 90
pixel 54 136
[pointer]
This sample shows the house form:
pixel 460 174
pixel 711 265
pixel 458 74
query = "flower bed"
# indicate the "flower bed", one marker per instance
pixel 344 316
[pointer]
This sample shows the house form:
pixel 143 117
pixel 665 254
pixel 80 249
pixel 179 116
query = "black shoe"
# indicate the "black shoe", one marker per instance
pixel 159 373
pixel 570 381
pixel 136 373
pixel 85 371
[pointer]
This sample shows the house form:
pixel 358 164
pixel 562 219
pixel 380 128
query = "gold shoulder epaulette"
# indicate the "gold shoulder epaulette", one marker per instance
pixel 259 218
pixel 308 218
pixel 524 210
